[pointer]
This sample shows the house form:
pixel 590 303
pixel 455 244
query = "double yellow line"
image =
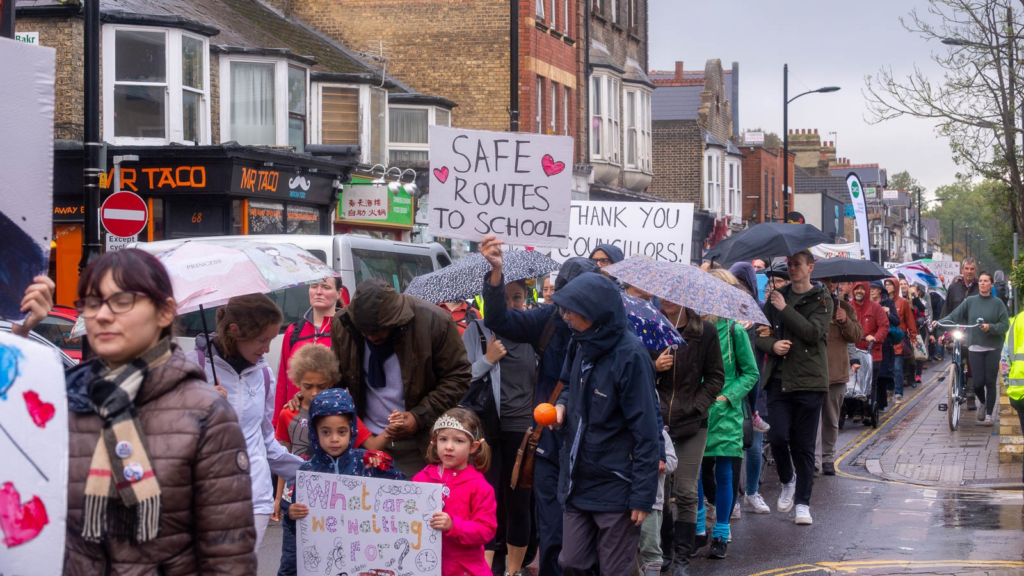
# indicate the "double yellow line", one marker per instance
pixel 856 566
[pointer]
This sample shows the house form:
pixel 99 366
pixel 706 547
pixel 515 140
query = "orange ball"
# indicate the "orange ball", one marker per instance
pixel 545 414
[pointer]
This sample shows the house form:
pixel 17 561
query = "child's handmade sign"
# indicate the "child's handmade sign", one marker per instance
pixel 366 526
pixel 516 186
pixel 34 450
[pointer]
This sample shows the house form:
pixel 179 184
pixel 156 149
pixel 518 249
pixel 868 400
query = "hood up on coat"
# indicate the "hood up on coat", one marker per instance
pixel 746 274
pixel 333 402
pixel 376 307
pixel 572 268
pixel 614 252
pixel 867 290
pixel 596 298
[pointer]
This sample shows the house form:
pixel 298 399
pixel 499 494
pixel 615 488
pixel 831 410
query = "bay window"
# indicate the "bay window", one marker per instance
pixel 713 181
pixel 606 119
pixel 597 116
pixel 351 115
pixel 264 102
pixel 565 111
pixel 554 107
pixel 540 9
pixel 408 132
pixel 733 189
pixel 155 86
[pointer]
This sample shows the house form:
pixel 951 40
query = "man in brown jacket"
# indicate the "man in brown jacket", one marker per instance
pixel 844 329
pixel 404 364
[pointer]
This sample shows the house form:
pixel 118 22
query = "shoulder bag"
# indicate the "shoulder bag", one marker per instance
pixel 522 472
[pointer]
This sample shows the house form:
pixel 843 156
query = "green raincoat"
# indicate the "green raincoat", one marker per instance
pixel 725 419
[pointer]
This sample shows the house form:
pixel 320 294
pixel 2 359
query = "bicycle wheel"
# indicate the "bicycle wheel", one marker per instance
pixel 953 397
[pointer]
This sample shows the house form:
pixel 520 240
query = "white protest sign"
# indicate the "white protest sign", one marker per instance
pixel 34 449
pixel 516 186
pixel 660 230
pixel 366 526
pixel 947 270
pixel 848 250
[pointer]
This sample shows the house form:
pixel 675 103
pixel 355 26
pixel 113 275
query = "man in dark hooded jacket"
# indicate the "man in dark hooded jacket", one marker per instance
pixel 549 335
pixel 404 364
pixel 609 471
pixel 606 255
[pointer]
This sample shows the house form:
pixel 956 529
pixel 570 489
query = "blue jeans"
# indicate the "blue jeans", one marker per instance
pixel 549 515
pixel 754 454
pixel 723 497
pixel 898 369
pixel 288 567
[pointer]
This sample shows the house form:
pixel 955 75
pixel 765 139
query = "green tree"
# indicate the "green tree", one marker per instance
pixel 904 181
pixel 972 207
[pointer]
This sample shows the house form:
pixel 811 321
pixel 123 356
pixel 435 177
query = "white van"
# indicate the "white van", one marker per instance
pixel 356 257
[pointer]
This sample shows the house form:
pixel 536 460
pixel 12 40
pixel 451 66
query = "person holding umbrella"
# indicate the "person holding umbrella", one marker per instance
pixel 246 325
pixel 797 369
pixel 180 502
pixel 844 329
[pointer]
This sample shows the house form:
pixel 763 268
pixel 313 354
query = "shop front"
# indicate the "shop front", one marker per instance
pixel 375 209
pixel 198 191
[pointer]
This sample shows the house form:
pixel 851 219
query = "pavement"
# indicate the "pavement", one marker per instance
pixel 904 502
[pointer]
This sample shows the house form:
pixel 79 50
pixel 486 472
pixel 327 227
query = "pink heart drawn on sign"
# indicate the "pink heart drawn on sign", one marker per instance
pixel 550 166
pixel 20 522
pixel 441 174
pixel 41 412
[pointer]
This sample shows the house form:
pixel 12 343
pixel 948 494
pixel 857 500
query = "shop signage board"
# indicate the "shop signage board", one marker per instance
pixel 124 214
pixel 516 186
pixel 371 526
pixel 890 194
pixel 27 37
pixel 375 205
pixel 660 230
pixel 26 181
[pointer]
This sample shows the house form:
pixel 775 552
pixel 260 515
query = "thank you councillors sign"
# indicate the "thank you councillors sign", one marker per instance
pixel 659 230
pixel 370 526
pixel 513 185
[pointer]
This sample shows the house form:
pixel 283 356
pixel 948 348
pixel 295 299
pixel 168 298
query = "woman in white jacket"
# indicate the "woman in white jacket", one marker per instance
pixel 245 327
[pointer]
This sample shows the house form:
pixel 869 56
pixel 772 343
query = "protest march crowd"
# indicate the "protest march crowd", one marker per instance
pixel 179 461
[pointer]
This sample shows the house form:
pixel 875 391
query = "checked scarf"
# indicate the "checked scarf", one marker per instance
pixel 108 489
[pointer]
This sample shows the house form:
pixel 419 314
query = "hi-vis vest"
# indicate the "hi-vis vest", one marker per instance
pixel 1015 348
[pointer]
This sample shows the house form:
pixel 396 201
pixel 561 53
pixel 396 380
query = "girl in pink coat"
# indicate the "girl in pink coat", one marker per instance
pixel 468 519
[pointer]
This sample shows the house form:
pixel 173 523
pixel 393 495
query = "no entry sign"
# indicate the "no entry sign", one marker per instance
pixel 124 214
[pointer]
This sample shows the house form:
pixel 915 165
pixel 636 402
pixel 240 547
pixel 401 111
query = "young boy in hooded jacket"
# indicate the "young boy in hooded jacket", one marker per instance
pixel 332 416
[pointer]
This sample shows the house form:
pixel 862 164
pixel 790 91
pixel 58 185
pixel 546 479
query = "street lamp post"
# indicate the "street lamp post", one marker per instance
pixel 785 133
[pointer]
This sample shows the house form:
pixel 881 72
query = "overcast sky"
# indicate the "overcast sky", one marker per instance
pixel 825 43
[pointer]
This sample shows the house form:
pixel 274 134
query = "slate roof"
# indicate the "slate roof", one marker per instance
pixel 812 181
pixel 676 102
pixel 692 76
pixel 238 24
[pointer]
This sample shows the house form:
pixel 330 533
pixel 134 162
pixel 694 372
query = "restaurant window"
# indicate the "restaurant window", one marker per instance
pixel 265 217
pixel 155 86
pixel 265 103
pixel 156 218
pixel 303 220
pixel 409 130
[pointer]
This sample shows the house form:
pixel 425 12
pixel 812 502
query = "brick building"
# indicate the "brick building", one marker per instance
pixel 696 157
pixel 763 199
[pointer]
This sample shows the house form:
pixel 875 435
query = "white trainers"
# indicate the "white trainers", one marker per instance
pixel 803 515
pixel 981 410
pixel 988 421
pixel 898 398
pixel 785 503
pixel 756 502
pixel 736 512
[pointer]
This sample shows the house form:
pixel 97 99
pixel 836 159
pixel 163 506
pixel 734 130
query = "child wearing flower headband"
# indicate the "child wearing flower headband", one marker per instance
pixel 468 519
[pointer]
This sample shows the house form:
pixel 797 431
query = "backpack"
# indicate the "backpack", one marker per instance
pixel 296 336
pixel 895 335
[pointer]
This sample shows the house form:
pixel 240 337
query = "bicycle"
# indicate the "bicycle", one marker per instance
pixel 956 395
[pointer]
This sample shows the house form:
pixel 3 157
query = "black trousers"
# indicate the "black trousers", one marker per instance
pixel 515 507
pixel 985 373
pixel 794 420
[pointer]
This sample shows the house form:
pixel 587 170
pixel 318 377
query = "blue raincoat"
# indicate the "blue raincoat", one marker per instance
pixel 610 459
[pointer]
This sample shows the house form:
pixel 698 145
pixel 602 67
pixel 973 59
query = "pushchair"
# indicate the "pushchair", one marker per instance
pixel 860 397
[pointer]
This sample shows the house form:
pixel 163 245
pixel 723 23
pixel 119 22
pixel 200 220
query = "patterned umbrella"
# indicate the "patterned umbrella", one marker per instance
pixel 687 286
pixel 205 273
pixel 465 278
pixel 651 326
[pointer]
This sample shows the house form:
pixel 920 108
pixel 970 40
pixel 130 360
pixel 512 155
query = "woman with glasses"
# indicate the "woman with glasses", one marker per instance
pixel 513 369
pixel 232 358
pixel 158 477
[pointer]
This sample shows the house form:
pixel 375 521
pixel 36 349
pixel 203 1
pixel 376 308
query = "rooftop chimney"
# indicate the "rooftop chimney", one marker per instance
pixel 679 71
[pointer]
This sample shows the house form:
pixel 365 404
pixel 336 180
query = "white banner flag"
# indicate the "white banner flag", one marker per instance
pixel 849 250
pixel 860 211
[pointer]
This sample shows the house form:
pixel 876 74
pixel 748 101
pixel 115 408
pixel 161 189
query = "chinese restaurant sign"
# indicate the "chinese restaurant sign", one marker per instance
pixel 375 205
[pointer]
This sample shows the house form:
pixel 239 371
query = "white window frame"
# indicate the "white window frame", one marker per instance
pixel 540 105
pixel 598 106
pixel 608 118
pixel 554 108
pixel 735 188
pixel 173 101
pixel 565 111
pixel 365 122
pixel 712 177
pixel 613 12
pixel 539 6
pixel 408 146
pixel 565 19
pixel 642 129
pixel 280 96
pixel 614 88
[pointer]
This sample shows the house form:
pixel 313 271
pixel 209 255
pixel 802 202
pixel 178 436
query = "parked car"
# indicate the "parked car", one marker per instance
pixel 56 329
pixel 66 360
pixel 355 257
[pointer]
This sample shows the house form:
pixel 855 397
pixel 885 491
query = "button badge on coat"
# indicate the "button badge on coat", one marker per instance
pixel 123 449
pixel 133 472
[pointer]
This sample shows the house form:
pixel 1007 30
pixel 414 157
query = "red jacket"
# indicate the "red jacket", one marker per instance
pixel 907 322
pixel 309 334
pixel 473 509
pixel 873 320
pixel 462 315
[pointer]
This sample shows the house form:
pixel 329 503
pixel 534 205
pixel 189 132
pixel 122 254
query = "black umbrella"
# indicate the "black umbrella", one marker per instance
pixel 777 270
pixel 770 240
pixel 848 270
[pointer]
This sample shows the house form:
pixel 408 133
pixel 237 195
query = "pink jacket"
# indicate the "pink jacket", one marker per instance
pixel 473 509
